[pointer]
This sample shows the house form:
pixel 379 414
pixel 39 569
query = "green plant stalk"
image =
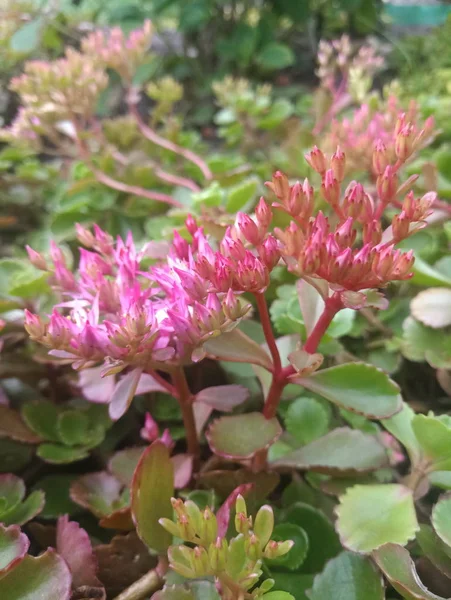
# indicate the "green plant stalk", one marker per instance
pixel 149 583
pixel 185 399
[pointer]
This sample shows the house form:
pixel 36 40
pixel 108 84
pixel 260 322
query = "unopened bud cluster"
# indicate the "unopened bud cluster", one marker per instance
pixel 349 248
pixel 375 139
pixel 236 563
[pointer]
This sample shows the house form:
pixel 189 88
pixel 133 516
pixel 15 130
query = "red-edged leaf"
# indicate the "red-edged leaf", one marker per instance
pixel 98 492
pixel 13 547
pixel 74 545
pixel 223 514
pixel 151 493
pixel 223 397
pixel 47 577
pixel 124 393
pixel 12 426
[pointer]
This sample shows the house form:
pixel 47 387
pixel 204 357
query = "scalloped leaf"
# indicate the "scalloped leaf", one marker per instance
pixel 236 346
pixel 432 307
pixel 434 438
pixel 348 576
pixel 46 576
pixel 223 397
pixel 373 515
pixel 57 454
pixel 74 545
pixel 13 547
pixel 434 549
pixel 324 543
pixel 400 426
pixel 99 493
pixel 297 554
pixel 12 492
pixel 151 493
pixel 306 420
pixel 42 418
pixel 441 518
pixel 396 564
pixel 12 426
pixel 26 510
pixel 241 436
pixel 73 427
pixel 358 387
pixel 343 451
pixel 123 464
pixel 421 343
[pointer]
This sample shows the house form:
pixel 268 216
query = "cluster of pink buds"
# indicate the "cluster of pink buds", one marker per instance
pixel 348 249
pixel 114 310
pixel 116 51
pixel 337 58
pixel 246 255
pixel 372 140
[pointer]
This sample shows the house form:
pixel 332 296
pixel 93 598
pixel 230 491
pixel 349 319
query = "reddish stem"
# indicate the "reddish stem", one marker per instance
pixel 332 306
pixel 119 185
pixel 162 381
pixel 185 399
pixel 267 330
pixel 153 136
pixel 176 179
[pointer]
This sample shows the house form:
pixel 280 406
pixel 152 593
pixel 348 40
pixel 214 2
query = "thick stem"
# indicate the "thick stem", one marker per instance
pixel 332 306
pixel 153 136
pixel 185 399
pixel 143 588
pixel 267 330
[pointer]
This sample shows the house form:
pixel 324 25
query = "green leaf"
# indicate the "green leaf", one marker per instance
pixel 28 37
pixel 424 343
pixel 323 539
pixel 296 556
pixel 12 492
pixel 441 479
pixel 73 427
pixel 28 284
pixel 123 464
pixel 441 519
pixel 46 576
pixel 241 194
pixel 275 56
pixel 395 563
pixel 241 436
pixel 400 426
pixel 357 387
pixel 343 451
pixel 58 454
pixel 306 420
pixel 42 418
pixel 434 438
pixel 293 583
pixel 238 347
pixel 152 490
pixel 373 515
pixel 276 595
pixel 99 493
pixel 428 276
pixel 57 500
pixel 26 510
pixel 13 547
pixel 348 576
pixel 279 112
pixel 434 549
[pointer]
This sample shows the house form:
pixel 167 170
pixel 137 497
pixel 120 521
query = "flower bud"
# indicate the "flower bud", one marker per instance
pixel 209 529
pixel 269 252
pixel 253 548
pixel 84 236
pixel 264 524
pixel 263 213
pixel 180 561
pixel 218 553
pixel 331 188
pixel 338 164
pixel 200 562
pixel 250 229
pixel 34 326
pixel 191 224
pixel 316 160
pixel 404 142
pixel 279 185
pixel 277 549
pixel 36 259
pixel 380 157
pixel 387 185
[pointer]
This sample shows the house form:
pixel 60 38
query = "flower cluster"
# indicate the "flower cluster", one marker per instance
pixel 235 564
pixel 349 250
pixel 337 60
pixel 397 135
pixel 116 51
pixel 119 311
